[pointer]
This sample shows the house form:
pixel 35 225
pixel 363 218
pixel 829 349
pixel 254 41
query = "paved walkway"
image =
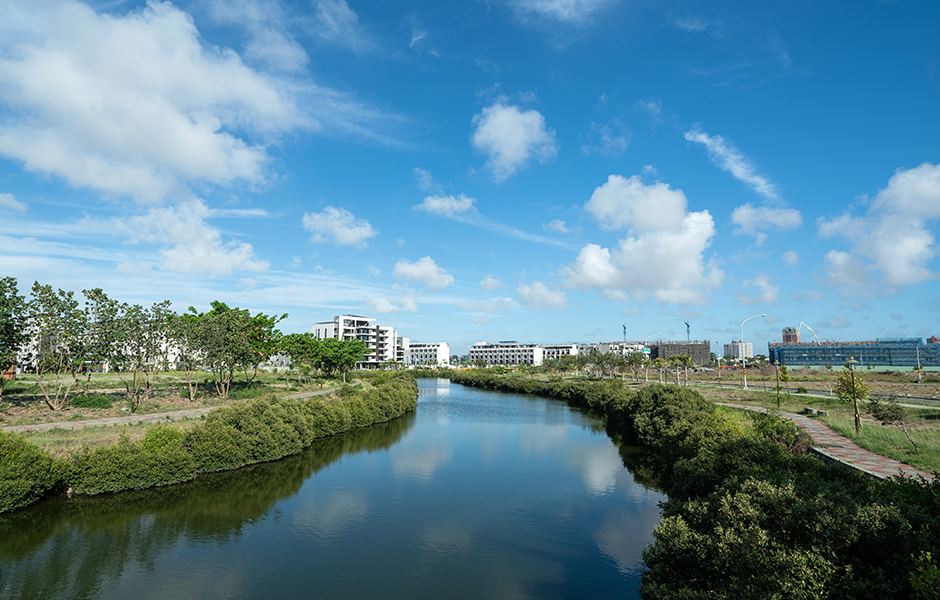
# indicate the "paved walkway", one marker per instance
pixel 178 415
pixel 829 445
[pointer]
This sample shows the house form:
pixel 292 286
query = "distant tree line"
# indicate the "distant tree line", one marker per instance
pixel 62 339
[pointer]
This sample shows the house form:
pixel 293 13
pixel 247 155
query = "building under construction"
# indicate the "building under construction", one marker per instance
pixel 882 352
pixel 700 352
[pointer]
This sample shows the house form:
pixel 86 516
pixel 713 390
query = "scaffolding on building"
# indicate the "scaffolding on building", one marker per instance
pixel 882 352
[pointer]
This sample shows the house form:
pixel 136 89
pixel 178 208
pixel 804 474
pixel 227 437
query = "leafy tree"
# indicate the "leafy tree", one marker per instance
pixel 104 338
pixel 892 413
pixel 785 377
pixel 264 340
pixel 14 334
pixel 145 342
pixel 186 336
pixel 480 362
pixel 224 337
pixel 635 360
pixel 661 367
pixel 850 386
pixel 339 356
pixel 60 327
pixel 303 350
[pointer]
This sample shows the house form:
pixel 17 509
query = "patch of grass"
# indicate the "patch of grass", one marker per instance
pixel 92 401
pixel 63 442
pixel 889 441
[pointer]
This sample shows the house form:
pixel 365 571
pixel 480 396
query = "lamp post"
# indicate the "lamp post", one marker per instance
pixel 719 371
pixel 744 346
pixel 777 369
pixel 649 356
pixel 858 418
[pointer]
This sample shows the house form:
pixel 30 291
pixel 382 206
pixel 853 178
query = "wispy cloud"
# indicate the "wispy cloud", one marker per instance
pixel 724 154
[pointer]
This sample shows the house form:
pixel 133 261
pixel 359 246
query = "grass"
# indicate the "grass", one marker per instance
pixel 62 442
pixel 891 442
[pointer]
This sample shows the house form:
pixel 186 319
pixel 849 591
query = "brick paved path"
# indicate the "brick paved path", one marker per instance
pixel 831 446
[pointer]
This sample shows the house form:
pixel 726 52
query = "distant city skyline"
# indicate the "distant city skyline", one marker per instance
pixel 546 172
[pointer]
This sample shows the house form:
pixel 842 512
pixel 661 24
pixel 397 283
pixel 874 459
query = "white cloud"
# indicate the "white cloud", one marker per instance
pixel 338 24
pixel 9 202
pixel 491 306
pixel 566 11
pixel 195 247
pixel 610 140
pixel 751 220
pixel 340 226
pixel 726 156
pixel 662 257
pixel 648 170
pixel 539 296
pixel 424 271
pixel 490 283
pixel 766 292
pixel 447 206
pixel 424 180
pixel 557 225
pixel 628 203
pixel 269 41
pixel 384 306
pixel 692 25
pixel 836 321
pixel 135 105
pixel 791 258
pixel 808 296
pixel 511 137
pixel 893 244
pixel 653 106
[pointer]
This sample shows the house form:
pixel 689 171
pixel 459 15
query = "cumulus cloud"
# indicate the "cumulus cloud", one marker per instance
pixel 490 283
pixel 511 137
pixel 565 11
pixel 610 139
pixel 384 306
pixel 759 290
pixel 338 24
pixel 662 255
pixel 893 244
pixel 135 105
pixel 447 206
pixel 340 226
pixel 490 306
pixel 9 202
pixel 539 296
pixel 269 41
pixel 557 225
pixel 194 246
pixel 424 271
pixel 724 154
pixel 751 220
pixel 791 258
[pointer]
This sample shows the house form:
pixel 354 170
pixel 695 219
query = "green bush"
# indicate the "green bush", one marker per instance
pixel 92 401
pixel 801 389
pixel 26 472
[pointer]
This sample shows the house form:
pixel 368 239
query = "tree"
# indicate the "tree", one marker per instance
pixel 339 356
pixel 145 348
pixel 224 337
pixel 850 386
pixel 785 377
pixel 479 362
pixel 891 413
pixel 661 367
pixel 264 340
pixel 635 361
pixel 185 335
pixel 104 337
pixel 14 334
pixel 60 328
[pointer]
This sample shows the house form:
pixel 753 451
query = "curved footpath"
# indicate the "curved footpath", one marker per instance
pixel 153 418
pixel 831 446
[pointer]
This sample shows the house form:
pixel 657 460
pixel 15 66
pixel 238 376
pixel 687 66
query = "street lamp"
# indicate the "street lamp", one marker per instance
pixel 649 356
pixel 858 418
pixel 744 347
pixel 719 371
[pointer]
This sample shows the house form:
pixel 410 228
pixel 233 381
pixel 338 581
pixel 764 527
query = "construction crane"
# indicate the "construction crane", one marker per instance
pixel 624 333
pixel 688 332
pixel 802 324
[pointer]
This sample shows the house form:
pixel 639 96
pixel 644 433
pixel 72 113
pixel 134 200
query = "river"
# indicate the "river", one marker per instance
pixel 478 494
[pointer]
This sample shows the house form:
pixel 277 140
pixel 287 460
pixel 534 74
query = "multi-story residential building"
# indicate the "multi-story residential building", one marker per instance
pixel 428 353
pixel 791 335
pixel 557 351
pixel 699 352
pixel 889 352
pixel 382 343
pixel 508 353
pixel 739 349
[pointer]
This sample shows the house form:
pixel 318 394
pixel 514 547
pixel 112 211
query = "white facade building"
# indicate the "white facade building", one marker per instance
pixel 382 343
pixel 430 353
pixel 739 349
pixel 557 351
pixel 508 353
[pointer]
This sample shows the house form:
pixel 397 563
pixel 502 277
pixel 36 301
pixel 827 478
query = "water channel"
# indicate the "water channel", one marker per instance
pixel 478 494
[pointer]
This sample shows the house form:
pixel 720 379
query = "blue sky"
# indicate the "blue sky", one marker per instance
pixel 532 170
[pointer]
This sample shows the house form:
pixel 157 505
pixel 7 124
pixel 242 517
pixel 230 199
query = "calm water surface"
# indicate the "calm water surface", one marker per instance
pixel 477 495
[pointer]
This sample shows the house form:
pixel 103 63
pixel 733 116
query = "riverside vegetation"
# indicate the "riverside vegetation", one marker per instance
pixel 750 514
pixel 257 430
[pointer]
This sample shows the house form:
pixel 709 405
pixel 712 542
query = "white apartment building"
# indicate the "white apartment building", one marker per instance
pixel 739 349
pixel 557 351
pixel 427 353
pixel 382 343
pixel 508 353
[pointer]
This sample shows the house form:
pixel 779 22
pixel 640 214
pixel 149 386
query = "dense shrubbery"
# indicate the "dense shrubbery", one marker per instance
pixel 749 514
pixel 258 430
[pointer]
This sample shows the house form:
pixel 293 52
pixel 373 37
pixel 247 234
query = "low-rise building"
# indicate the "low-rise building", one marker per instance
pixel 507 353
pixel 428 353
